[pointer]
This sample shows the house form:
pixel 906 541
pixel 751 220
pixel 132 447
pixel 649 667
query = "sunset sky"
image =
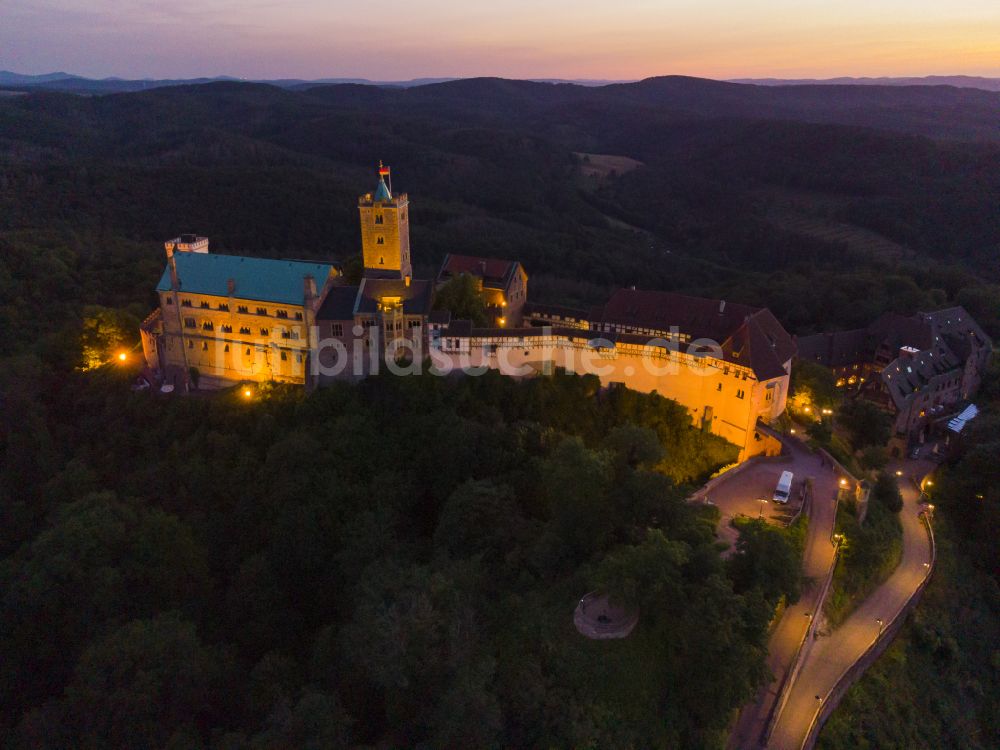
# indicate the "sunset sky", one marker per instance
pixel 392 39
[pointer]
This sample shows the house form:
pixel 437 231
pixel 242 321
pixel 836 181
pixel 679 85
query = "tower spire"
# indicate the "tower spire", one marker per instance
pixel 383 192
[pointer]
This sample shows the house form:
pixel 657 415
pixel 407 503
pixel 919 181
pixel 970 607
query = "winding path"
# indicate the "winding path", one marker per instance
pixel 817 558
pixel 826 659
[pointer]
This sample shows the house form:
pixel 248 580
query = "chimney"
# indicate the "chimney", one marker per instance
pixel 171 249
pixel 406 280
pixel 231 286
pixel 722 306
pixel 175 282
pixel 309 287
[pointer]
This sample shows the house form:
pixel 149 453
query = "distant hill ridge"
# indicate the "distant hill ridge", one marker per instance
pixel 971 82
pixel 69 82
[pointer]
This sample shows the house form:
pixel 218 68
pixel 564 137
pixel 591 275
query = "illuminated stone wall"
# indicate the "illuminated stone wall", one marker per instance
pixel 719 396
pixel 235 344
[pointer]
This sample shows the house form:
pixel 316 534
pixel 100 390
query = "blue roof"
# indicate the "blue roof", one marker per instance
pixel 258 279
pixel 382 191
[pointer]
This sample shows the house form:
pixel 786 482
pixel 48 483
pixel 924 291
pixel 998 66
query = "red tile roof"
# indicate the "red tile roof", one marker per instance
pixel 489 269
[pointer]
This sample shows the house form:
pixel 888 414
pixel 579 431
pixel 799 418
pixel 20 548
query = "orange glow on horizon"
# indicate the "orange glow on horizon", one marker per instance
pixel 627 40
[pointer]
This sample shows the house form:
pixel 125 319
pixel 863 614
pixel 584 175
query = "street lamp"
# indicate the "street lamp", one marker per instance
pixel 122 356
pixel 763 502
pixel 843 482
pixel 247 393
pixel 881 624
pixel 899 472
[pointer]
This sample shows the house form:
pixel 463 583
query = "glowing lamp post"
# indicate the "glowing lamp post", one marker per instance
pixel 122 356
pixel 247 393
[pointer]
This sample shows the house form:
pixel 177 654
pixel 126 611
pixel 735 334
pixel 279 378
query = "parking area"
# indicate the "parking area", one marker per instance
pixel 750 492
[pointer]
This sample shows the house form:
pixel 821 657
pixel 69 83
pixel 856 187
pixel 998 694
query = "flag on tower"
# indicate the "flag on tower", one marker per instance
pixel 383 170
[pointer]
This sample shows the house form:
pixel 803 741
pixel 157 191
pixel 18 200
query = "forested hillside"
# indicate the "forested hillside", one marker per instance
pixel 757 193
pixel 395 562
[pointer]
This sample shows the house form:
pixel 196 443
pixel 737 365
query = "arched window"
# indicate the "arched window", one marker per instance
pixel 380 240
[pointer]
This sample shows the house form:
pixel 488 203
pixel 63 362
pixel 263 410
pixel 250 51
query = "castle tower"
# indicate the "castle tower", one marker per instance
pixel 385 230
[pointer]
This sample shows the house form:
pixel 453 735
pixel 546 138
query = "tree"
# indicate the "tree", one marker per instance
pixel 866 422
pixel 317 721
pixel 647 575
pixel 461 296
pixel 874 457
pixel 479 518
pixel 886 491
pixel 105 330
pixel 635 446
pixel 576 482
pixel 145 683
pixel 101 559
pixel 816 382
pixel 767 560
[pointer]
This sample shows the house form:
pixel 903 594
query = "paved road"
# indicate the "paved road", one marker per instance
pixel 817 559
pixel 825 660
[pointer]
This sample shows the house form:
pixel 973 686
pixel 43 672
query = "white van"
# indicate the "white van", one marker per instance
pixel 784 488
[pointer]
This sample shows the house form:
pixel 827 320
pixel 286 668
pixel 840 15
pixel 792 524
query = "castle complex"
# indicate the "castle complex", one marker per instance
pixel 224 320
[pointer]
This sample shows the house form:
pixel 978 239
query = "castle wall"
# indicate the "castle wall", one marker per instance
pixel 230 346
pixel 720 397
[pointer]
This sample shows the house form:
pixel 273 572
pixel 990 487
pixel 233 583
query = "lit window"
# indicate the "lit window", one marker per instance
pixel 265 332
pixel 244 330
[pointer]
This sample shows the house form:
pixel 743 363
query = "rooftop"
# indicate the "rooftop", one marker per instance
pixel 749 336
pixel 488 269
pixel 257 279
